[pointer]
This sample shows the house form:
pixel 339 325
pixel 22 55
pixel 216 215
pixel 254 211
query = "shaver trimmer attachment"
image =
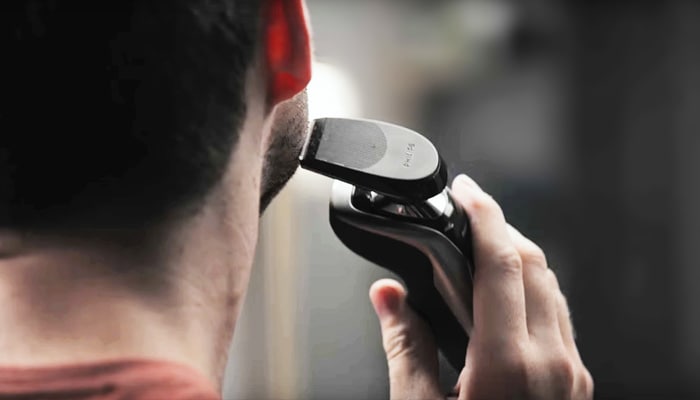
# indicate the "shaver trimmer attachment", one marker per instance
pixel 377 156
pixel 390 205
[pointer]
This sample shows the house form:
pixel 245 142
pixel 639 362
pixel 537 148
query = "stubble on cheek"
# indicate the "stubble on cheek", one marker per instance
pixel 289 130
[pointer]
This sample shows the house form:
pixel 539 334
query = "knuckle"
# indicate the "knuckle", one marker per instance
pixel 399 343
pixel 563 303
pixel 562 371
pixel 508 259
pixel 481 203
pixel 515 367
pixel 533 255
pixel 589 384
pixel 552 281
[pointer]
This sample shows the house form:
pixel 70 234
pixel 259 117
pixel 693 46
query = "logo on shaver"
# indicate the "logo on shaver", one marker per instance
pixel 408 155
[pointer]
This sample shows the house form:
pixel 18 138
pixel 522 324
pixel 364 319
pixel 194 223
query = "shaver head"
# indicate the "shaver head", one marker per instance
pixel 377 156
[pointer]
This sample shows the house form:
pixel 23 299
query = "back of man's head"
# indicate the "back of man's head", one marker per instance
pixel 118 112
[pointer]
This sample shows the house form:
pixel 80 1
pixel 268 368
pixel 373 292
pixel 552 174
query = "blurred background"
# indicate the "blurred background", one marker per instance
pixel 582 118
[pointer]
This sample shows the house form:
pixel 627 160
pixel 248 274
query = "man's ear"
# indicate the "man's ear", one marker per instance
pixel 287 49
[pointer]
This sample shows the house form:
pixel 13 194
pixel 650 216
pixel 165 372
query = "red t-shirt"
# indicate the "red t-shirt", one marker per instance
pixel 109 380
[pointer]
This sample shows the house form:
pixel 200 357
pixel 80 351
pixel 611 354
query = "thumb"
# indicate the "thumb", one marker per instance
pixel 408 343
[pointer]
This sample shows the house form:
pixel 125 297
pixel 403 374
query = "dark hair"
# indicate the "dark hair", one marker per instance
pixel 118 111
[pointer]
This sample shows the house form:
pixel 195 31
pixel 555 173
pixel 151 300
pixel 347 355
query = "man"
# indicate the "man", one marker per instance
pixel 140 140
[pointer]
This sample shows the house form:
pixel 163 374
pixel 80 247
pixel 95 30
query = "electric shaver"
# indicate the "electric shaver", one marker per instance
pixel 390 204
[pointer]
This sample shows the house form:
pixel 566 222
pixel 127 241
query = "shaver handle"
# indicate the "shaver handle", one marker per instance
pixel 444 296
pixel 427 302
pixel 434 269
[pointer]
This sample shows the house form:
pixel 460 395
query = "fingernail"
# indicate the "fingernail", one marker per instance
pixel 465 180
pixel 388 302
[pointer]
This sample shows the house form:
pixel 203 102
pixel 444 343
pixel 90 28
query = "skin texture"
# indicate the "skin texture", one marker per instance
pixel 522 345
pixel 175 291
pixel 282 157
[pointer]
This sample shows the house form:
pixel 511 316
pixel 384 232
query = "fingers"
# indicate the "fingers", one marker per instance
pixel 583 381
pixel 517 303
pixel 541 290
pixel 408 343
pixel 564 323
pixel 548 318
pixel 499 298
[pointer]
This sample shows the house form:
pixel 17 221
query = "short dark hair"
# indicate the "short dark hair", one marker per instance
pixel 118 111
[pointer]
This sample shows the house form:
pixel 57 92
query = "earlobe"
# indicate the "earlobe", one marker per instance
pixel 287 49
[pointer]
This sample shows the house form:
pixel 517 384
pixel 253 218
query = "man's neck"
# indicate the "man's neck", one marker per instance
pixel 170 294
pixel 63 306
pixel 69 301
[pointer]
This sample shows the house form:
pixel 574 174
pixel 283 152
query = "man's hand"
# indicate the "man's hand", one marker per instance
pixel 522 345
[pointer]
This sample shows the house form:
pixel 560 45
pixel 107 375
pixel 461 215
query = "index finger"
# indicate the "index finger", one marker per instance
pixel 499 295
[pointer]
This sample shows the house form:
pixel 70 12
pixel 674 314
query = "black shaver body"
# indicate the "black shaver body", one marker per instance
pixel 391 206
